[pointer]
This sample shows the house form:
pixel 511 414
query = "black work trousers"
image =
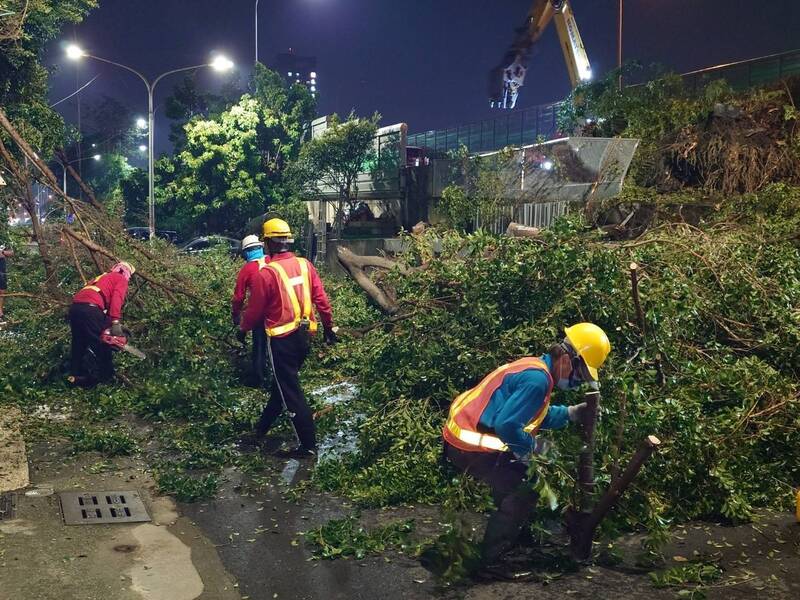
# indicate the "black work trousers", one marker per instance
pixel 513 496
pixel 259 356
pixel 287 355
pixel 87 323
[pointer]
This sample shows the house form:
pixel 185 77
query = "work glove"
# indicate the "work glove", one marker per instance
pixel 241 336
pixel 330 337
pixel 576 412
pixel 116 329
pixel 236 318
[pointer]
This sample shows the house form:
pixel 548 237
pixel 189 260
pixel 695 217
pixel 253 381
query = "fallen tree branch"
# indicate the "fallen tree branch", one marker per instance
pixel 168 291
pixel 75 259
pixel 77 178
pixel 361 331
pixel 363 262
pixel 39 298
pixel 355 265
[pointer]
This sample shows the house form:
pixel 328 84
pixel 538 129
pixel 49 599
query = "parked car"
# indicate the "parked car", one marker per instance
pixel 206 243
pixel 143 233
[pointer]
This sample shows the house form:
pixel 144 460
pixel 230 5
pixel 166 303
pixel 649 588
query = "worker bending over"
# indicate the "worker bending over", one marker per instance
pixel 282 301
pixel 491 430
pixel 253 253
pixel 94 309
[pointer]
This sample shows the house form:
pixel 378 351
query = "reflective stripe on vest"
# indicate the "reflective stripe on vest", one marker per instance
pixel 93 287
pixel 465 412
pixel 289 284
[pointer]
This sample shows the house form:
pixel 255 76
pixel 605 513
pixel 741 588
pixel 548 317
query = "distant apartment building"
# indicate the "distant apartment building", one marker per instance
pixel 298 69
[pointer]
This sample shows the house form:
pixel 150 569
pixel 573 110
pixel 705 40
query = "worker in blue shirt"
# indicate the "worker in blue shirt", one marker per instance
pixel 491 430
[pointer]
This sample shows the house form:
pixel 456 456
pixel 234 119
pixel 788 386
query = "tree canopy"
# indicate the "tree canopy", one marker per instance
pixel 231 167
pixel 23 80
pixel 330 164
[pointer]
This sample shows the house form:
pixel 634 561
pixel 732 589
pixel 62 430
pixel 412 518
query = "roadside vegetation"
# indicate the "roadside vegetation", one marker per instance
pixel 706 348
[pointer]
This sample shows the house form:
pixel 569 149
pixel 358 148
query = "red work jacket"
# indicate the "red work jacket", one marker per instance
pixel 285 293
pixel 107 291
pixel 244 282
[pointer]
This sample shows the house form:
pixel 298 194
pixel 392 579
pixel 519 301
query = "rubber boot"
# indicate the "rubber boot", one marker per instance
pixel 502 532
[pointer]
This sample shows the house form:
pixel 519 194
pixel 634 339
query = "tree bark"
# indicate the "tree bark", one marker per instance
pixel 27 150
pixel 355 265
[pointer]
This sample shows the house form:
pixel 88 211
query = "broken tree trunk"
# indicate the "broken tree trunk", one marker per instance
pixel 356 265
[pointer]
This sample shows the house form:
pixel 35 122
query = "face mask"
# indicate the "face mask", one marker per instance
pixel 568 383
pixel 252 254
pixel 564 384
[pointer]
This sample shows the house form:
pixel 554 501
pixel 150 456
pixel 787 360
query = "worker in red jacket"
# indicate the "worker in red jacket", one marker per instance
pixel 253 253
pixel 94 309
pixel 282 301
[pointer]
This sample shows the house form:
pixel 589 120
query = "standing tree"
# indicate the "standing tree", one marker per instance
pixel 189 102
pixel 232 165
pixel 329 165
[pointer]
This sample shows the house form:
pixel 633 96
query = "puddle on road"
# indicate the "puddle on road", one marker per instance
pixel 343 439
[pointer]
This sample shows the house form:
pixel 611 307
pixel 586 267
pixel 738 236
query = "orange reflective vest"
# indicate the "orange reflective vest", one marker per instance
pixel 295 283
pixel 461 429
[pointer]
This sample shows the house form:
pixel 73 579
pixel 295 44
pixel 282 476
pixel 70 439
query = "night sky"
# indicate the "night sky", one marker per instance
pixel 423 62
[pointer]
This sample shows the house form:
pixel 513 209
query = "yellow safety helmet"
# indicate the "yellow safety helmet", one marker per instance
pixel 277 228
pixel 591 343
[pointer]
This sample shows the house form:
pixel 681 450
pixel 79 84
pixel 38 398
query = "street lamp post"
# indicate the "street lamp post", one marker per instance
pixel 619 41
pixel 220 63
pixel 256 23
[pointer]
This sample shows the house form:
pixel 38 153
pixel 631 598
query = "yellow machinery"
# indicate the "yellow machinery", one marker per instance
pixel 509 77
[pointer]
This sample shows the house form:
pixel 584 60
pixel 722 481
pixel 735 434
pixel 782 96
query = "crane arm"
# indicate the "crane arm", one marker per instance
pixel 509 76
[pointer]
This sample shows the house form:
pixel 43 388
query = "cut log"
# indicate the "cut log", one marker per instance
pixel 522 231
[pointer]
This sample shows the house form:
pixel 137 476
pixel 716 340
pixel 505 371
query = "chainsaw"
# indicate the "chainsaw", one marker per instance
pixel 120 342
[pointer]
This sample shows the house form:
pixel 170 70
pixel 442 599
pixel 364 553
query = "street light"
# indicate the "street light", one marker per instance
pixel 141 123
pixel 219 63
pixel 95 157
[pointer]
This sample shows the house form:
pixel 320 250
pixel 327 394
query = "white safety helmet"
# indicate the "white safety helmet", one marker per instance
pixel 251 241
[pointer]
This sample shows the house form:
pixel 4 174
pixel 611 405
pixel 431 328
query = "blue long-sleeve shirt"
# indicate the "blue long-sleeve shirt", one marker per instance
pixel 514 404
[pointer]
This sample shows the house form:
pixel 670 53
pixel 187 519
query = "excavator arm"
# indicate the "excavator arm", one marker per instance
pixel 507 78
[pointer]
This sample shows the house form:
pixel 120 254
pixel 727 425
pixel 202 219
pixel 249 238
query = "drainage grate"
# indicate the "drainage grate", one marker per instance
pixel 87 508
pixel 8 506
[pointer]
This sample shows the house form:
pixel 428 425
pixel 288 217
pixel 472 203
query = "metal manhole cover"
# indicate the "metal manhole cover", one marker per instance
pixel 8 506
pixel 89 508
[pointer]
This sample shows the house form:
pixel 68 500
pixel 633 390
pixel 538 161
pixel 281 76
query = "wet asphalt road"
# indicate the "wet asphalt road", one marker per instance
pixel 259 540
